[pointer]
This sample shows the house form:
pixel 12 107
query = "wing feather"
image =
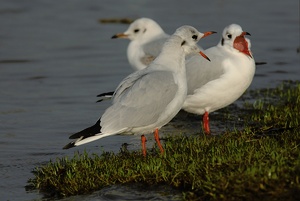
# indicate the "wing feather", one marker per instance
pixel 199 71
pixel 140 102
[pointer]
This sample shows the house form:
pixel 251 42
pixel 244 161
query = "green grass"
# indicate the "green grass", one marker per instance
pixel 277 107
pixel 259 161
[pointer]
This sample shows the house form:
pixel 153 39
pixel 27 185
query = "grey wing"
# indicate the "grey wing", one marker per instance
pixel 152 49
pixel 127 83
pixel 199 71
pixel 142 103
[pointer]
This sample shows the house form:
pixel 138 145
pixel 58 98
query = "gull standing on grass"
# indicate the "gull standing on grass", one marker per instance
pixel 148 99
pixel 216 84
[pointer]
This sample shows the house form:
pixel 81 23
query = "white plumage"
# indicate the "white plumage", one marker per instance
pixel 216 84
pixel 148 99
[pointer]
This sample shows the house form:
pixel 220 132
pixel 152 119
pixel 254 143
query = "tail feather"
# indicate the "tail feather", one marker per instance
pixel 86 133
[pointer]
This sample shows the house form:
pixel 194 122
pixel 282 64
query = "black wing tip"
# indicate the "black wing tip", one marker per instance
pixel 90 131
pixel 260 63
pixel 74 136
pixel 70 145
pixel 106 93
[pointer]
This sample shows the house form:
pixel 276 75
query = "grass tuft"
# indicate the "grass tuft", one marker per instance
pixel 260 161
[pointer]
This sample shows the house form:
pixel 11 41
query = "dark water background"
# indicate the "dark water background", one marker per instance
pixel 55 57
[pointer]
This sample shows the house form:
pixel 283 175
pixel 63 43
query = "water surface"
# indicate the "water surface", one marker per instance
pixel 55 57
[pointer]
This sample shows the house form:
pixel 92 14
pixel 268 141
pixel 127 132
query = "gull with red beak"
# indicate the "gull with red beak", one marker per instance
pixel 216 84
pixel 149 98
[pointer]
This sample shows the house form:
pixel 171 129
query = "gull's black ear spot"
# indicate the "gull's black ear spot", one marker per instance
pixel 183 42
pixel 222 41
pixel 144 30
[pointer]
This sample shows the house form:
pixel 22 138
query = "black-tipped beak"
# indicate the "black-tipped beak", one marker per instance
pixel 208 33
pixel 245 33
pixel 119 35
pixel 204 55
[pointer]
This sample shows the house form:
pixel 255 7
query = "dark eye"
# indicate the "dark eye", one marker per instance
pixel 194 37
pixel 229 36
pixel 136 30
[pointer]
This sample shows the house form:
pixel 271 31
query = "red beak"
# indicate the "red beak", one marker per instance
pixel 204 55
pixel 208 33
pixel 241 44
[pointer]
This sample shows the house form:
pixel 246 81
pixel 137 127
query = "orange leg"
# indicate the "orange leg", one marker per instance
pixel 156 136
pixel 206 123
pixel 143 138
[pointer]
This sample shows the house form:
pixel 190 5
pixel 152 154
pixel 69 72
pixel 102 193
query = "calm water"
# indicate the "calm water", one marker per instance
pixel 55 57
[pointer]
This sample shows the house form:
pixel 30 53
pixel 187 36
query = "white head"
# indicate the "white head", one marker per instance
pixel 190 36
pixel 143 29
pixel 233 37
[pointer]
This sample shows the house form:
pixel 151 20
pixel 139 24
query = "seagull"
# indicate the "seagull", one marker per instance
pixel 216 84
pixel 149 98
pixel 147 39
pixel 232 62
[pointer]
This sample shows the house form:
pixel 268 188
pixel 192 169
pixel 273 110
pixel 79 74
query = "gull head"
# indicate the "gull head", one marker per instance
pixel 142 29
pixel 190 36
pixel 233 37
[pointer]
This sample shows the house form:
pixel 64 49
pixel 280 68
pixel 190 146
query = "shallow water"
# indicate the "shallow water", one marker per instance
pixel 55 58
